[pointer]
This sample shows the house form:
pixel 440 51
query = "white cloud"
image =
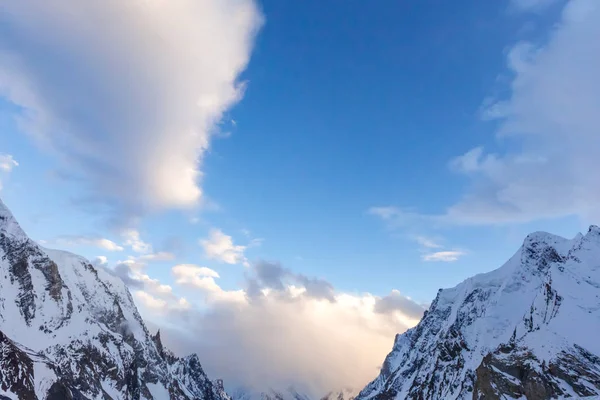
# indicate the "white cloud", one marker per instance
pixel 129 109
pixel 133 240
pixel 552 116
pixel 72 241
pixel 100 261
pixel 220 247
pixel 150 301
pixel 107 244
pixel 7 163
pixel 281 329
pixel 192 275
pixel 160 256
pixel 428 243
pixel 550 120
pixel 443 256
pixel 395 217
pixel 203 278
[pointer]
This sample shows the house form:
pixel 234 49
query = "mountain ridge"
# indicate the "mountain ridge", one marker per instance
pixel 507 333
pixel 71 331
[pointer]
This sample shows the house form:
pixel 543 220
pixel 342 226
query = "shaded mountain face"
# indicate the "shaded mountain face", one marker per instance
pixel 72 331
pixel 529 329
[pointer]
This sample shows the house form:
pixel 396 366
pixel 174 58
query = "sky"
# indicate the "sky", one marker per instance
pixel 284 186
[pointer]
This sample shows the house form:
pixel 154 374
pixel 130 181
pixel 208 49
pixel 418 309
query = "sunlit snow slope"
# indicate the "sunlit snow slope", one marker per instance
pixel 530 329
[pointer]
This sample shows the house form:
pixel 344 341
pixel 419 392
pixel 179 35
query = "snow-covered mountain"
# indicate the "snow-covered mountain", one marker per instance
pixel 291 394
pixel 72 331
pixel 530 329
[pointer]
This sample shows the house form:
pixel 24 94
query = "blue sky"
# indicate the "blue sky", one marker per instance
pixel 400 146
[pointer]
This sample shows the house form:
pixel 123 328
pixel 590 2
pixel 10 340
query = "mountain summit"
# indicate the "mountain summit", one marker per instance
pixel 72 331
pixel 529 329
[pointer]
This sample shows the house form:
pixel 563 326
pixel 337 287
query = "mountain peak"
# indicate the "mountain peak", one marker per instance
pixel 521 331
pixel 8 224
pixel 593 231
pixel 73 331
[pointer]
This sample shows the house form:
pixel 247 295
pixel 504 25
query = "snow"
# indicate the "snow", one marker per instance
pixel 548 287
pixel 56 307
pixel 44 378
pixel 9 225
pixel 109 388
pixel 11 396
pixel 158 391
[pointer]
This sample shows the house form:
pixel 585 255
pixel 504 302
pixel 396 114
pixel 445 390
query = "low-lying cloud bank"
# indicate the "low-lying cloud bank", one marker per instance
pixel 282 329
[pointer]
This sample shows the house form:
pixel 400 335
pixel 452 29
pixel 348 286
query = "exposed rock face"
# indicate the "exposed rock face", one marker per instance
pixel 527 330
pixel 71 331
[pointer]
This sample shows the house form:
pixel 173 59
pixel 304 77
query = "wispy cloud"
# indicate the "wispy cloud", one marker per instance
pixel 74 241
pixel 551 118
pixel 427 242
pixel 432 251
pixel 131 115
pixel 133 240
pixel 7 163
pixel 219 246
pixel 443 256
pixel 159 256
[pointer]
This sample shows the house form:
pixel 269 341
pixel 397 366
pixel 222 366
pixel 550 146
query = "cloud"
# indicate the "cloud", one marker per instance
pixel 131 109
pixel 72 241
pixel 203 278
pixel 427 242
pixel 272 276
pixel 395 217
pixel 160 256
pixel 396 301
pixel 282 329
pixel 548 127
pixel 100 261
pixel 220 247
pixel 7 163
pixel 551 120
pixel 443 256
pixel 148 291
pixel 133 240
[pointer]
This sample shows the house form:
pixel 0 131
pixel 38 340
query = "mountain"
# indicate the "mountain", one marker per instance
pixel 529 329
pixel 72 331
pixel 291 394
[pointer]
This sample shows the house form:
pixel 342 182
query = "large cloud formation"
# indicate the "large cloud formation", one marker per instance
pixel 281 329
pixel 127 93
pixel 547 130
pixel 552 116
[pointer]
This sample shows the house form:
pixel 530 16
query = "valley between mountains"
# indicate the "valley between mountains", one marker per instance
pixel 528 330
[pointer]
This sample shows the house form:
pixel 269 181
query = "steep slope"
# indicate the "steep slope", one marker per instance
pixel 71 331
pixel 526 330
